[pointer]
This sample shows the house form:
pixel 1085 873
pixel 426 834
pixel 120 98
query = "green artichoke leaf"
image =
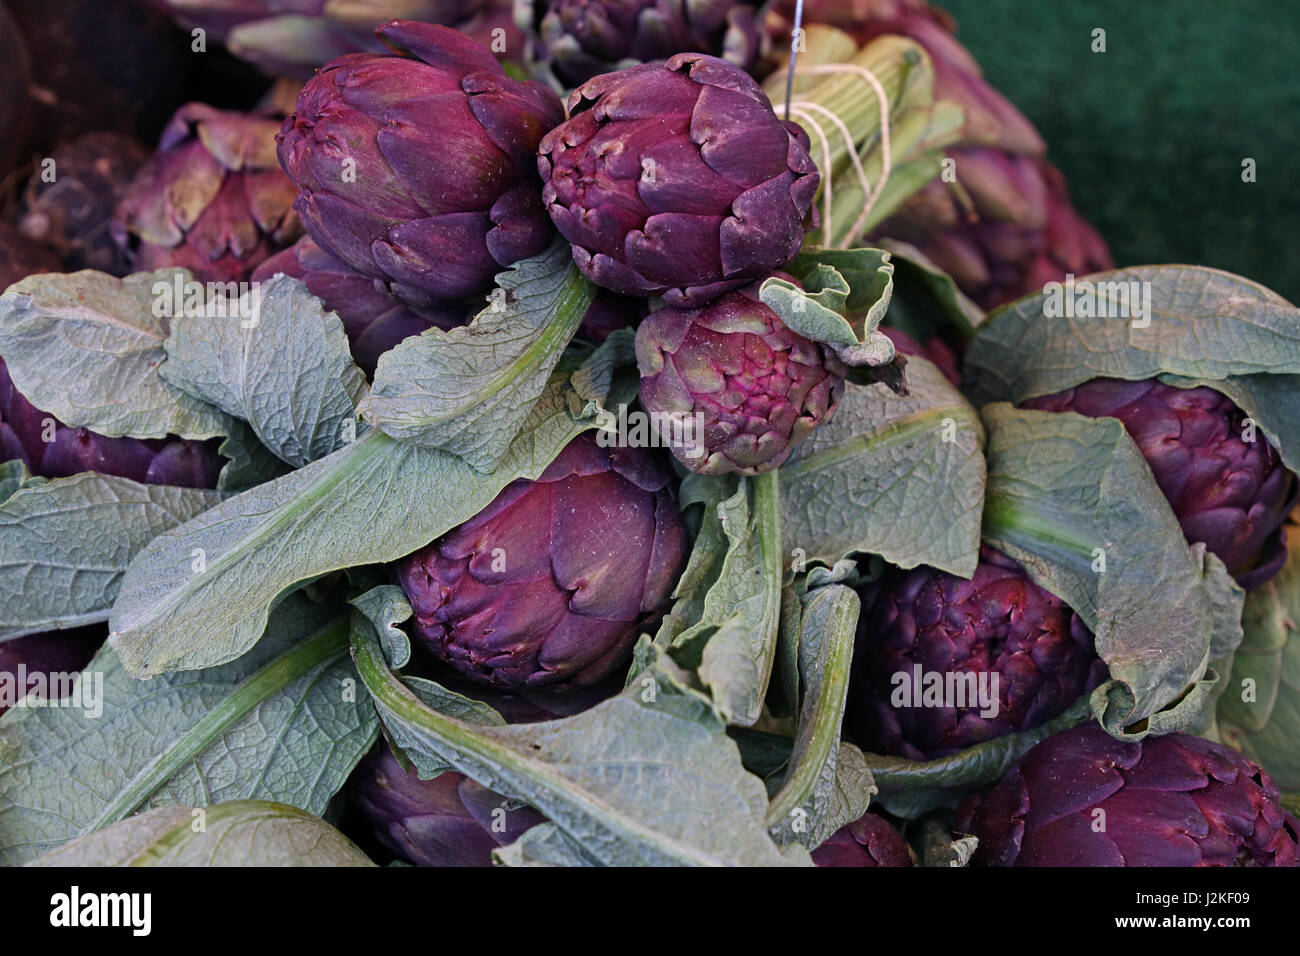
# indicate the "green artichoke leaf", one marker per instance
pixel 1072 499
pixel 199 594
pixel 728 602
pixel 844 297
pixel 470 390
pixel 13 475
pixel 285 722
pixel 827 783
pixel 926 299
pixel 234 833
pixel 544 845
pixel 248 462
pixel 648 777
pixel 287 371
pixel 1188 321
pixel 898 476
pixel 87 348
pixel 66 545
pixel 1259 709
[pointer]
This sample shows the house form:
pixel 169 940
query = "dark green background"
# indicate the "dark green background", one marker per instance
pixel 1152 133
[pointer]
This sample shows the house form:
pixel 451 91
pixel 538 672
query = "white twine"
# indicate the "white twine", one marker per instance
pixel 886 157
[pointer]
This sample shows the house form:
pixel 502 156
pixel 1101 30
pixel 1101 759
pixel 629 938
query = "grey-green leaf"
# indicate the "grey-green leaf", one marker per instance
pixel 286 722
pixel 470 390
pixel 645 778
pixel 1191 321
pixel 898 476
pixel 239 833
pixel 198 596
pixel 1072 499
pixel 65 544
pixel 288 372
pixel 86 348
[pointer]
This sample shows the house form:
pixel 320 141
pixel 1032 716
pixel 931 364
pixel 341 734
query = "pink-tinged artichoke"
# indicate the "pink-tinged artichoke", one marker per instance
pixel 417 169
pixel 1083 798
pixel 447 821
pixel 1225 481
pixel 1010 228
pixel 213 199
pixel 758 388
pixel 49 653
pixel 677 179
pixel 51 449
pixel 21 256
pixel 870 840
pixel 998 635
pixel 552 582
pixel 294 37
pixel 374 319
pixel 582 38
pixel 72 213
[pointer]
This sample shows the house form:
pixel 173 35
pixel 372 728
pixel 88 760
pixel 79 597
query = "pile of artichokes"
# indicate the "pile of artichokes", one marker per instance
pixel 622 432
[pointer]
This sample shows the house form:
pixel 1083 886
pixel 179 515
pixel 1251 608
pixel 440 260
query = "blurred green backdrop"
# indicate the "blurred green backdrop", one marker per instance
pixel 1152 133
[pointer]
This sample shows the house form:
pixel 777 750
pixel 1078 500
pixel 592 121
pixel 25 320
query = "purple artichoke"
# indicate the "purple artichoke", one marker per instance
pixel 294 37
pixel 447 821
pixel 870 840
pixel 52 652
pixel 212 199
pixel 1010 229
pixel 417 169
pixel 677 179
pixel 375 320
pixel 582 38
pixel 22 256
pixel 72 214
pixel 759 387
pixel 1227 491
pixel 1083 798
pixel 609 313
pixel 998 636
pixel 552 582
pixel 51 449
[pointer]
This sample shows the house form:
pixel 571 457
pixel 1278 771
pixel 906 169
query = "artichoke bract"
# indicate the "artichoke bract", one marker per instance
pixel 51 449
pixel 581 38
pixel 417 169
pixel 72 212
pixel 941 663
pixel 22 659
pixel 677 179
pixel 552 582
pixel 212 200
pixel 447 821
pixel 374 319
pixel 750 388
pixel 1083 798
pixel 870 840
pixel 1225 482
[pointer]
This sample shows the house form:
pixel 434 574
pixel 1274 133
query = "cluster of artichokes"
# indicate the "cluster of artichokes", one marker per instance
pixel 488 229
